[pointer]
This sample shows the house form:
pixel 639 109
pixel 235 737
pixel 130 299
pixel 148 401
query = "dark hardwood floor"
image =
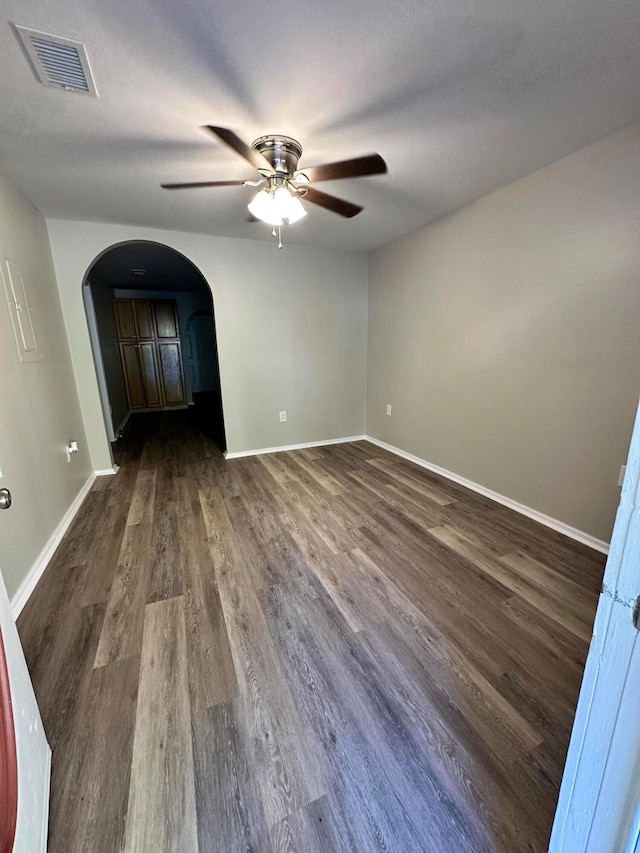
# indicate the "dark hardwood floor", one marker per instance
pixel 315 651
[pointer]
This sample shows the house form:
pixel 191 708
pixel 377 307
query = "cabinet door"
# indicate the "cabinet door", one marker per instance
pixel 171 373
pixel 125 321
pixel 166 319
pixel 144 319
pixel 132 378
pixel 149 370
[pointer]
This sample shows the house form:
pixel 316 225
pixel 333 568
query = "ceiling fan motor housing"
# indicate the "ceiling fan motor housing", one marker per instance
pixel 282 152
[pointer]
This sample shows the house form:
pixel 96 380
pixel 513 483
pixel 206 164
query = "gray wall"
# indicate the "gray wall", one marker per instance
pixel 187 303
pixel 291 329
pixel 506 336
pixel 40 410
pixel 110 350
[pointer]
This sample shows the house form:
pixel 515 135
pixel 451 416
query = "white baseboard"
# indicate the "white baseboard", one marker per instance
pixel 106 472
pixel 547 520
pixel 284 447
pixel 42 561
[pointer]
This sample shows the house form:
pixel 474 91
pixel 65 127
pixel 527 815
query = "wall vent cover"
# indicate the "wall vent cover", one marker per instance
pixel 58 62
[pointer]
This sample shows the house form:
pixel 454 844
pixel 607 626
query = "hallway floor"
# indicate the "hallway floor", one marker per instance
pixel 320 650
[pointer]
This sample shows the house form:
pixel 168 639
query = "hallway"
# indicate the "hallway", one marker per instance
pixel 320 650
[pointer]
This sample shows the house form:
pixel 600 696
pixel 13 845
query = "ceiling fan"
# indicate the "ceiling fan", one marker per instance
pixel 282 185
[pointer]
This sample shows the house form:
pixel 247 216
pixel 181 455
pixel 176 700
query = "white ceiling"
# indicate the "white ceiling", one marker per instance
pixel 459 97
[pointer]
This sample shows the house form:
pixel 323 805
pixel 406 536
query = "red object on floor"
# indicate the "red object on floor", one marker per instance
pixel 8 760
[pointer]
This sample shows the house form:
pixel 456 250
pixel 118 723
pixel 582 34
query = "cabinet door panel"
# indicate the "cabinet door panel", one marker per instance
pixel 125 321
pixel 149 369
pixel 144 319
pixel 132 378
pixel 171 373
pixel 166 319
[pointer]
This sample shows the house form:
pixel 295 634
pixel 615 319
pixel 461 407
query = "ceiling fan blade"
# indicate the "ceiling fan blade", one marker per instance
pixel 357 167
pixel 203 184
pixel 330 202
pixel 229 137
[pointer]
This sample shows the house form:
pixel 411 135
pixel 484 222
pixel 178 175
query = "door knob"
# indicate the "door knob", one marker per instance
pixel 5 498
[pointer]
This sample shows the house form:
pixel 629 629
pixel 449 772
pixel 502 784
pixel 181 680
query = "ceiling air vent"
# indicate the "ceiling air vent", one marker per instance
pixel 58 62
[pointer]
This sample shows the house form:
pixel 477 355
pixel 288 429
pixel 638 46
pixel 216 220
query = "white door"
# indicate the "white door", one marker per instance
pixel 599 805
pixel 34 755
pixel 18 351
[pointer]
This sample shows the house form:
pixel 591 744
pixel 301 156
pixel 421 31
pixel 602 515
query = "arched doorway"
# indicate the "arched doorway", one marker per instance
pixel 138 297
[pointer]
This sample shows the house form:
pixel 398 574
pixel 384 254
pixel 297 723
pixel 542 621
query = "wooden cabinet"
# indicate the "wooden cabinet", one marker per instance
pixel 132 375
pixel 166 320
pixel 171 372
pixel 151 383
pixel 134 319
pixel 149 337
pixel 125 321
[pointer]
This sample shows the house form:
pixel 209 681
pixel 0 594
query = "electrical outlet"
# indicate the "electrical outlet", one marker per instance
pixel 623 468
pixel 389 409
pixel 283 417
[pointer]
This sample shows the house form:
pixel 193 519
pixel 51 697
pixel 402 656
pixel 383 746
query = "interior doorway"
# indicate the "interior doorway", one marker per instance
pixel 151 323
pixel 201 364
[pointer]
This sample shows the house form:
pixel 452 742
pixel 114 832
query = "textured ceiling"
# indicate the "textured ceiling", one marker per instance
pixel 459 97
pixel 165 269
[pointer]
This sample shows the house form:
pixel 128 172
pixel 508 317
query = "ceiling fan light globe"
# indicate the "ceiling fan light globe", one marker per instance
pixel 296 210
pixel 262 207
pixel 287 205
pixel 282 201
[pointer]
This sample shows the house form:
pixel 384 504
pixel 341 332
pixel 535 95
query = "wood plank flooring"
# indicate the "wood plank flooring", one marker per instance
pixel 315 651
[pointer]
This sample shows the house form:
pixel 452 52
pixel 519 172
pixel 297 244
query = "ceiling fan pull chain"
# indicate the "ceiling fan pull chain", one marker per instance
pixel 279 236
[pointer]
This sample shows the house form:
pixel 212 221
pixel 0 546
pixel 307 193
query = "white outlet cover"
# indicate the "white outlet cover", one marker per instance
pixel 389 409
pixel 283 417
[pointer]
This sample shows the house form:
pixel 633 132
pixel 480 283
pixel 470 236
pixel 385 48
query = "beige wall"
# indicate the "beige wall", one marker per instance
pixel 291 328
pixel 39 405
pixel 506 336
